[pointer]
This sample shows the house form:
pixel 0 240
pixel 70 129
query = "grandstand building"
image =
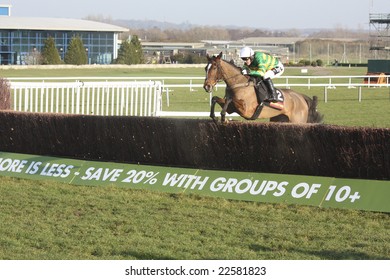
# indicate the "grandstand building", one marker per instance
pixel 22 38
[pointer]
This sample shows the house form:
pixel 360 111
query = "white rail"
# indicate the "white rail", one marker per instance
pixel 90 98
pixel 285 81
pixel 139 96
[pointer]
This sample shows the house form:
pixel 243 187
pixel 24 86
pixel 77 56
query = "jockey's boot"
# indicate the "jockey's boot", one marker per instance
pixel 272 97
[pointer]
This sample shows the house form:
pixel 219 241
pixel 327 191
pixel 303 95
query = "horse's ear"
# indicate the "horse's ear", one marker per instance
pixel 220 55
pixel 208 57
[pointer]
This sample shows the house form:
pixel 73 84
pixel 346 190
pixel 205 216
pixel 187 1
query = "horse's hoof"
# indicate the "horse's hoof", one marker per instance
pixel 224 121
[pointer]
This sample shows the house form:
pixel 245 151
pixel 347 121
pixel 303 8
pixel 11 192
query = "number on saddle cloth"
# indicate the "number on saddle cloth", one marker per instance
pixel 280 104
pixel 279 95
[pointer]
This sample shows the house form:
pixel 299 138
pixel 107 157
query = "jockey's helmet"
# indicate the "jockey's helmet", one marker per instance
pixel 246 52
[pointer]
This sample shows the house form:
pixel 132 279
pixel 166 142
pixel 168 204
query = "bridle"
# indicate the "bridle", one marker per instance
pixel 218 77
pixel 223 74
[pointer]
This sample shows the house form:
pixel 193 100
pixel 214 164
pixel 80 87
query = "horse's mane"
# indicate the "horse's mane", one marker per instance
pixel 231 62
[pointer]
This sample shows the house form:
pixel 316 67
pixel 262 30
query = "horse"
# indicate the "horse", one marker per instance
pixel 241 97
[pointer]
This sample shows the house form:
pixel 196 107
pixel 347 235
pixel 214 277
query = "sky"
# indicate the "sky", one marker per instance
pixel 280 14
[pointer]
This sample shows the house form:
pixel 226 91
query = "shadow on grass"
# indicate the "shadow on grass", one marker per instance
pixel 143 256
pixel 325 254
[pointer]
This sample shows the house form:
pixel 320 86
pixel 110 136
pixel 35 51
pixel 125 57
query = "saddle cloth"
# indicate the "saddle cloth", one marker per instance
pixel 279 105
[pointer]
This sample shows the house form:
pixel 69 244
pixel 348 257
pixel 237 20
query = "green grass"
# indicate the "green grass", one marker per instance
pixel 46 220
pixel 344 108
pixel 102 72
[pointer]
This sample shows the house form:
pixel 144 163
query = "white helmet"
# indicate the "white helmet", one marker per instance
pixel 246 52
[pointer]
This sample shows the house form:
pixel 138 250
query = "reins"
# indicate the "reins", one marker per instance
pixel 249 83
pixel 232 77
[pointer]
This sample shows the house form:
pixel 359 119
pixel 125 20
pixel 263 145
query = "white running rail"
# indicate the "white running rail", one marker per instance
pixel 142 98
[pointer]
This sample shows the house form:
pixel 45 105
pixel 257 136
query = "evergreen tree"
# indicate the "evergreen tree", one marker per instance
pixel 130 52
pixel 50 54
pixel 124 53
pixel 76 53
pixel 138 55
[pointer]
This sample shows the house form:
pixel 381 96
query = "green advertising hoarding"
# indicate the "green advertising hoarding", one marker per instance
pixel 370 195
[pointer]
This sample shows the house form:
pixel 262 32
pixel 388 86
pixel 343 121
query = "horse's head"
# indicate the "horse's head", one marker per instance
pixel 213 72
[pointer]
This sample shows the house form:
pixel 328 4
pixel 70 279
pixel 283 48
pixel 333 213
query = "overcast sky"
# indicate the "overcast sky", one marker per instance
pixel 279 14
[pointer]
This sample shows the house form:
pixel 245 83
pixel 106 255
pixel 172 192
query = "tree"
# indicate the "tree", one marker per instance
pixel 138 55
pixel 50 54
pixel 76 53
pixel 130 52
pixel 124 53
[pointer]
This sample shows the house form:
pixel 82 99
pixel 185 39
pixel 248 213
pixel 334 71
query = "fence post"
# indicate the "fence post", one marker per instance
pixel 325 95
pixel 26 95
pixel 167 92
pixel 77 97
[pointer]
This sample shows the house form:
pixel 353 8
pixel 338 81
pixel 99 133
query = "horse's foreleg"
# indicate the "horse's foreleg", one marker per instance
pixel 224 109
pixel 223 102
pixel 212 109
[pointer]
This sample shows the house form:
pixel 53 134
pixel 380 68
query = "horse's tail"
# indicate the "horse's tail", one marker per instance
pixel 313 115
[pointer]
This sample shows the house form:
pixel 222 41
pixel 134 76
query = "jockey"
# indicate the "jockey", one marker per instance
pixel 258 64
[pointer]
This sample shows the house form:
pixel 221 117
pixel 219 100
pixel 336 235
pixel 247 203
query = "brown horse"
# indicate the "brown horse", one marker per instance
pixel 240 97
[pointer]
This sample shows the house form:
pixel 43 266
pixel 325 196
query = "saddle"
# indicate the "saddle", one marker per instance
pixel 262 93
